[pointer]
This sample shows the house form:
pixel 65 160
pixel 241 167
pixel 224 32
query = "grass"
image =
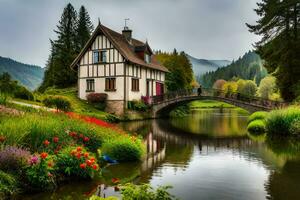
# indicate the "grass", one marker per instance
pixel 262 115
pixel 209 104
pixel 257 127
pixel 284 122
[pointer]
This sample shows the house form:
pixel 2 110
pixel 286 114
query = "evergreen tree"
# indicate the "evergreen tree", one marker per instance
pixel 63 52
pixel 84 28
pixel 280 44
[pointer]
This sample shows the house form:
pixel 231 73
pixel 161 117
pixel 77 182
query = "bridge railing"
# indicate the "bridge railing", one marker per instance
pixel 219 94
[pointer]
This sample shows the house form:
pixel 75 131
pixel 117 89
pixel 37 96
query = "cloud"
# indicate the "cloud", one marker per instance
pixel 212 29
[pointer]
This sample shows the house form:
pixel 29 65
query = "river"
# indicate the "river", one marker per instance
pixel 206 155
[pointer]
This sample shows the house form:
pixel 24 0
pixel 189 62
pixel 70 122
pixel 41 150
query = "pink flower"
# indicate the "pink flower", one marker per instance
pixel 34 160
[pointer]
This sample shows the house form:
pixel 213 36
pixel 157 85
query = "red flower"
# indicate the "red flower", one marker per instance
pixel 2 138
pixel 115 180
pixel 44 155
pixel 93 159
pixel 55 139
pixel 46 143
pixel 95 167
pixel 89 162
pixel 82 166
pixel 78 155
pixel 86 139
pixel 86 155
pixel 73 152
pixel 72 134
pixel 79 149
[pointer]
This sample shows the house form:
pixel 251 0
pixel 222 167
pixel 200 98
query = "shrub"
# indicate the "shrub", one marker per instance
pixel 13 158
pixel 22 93
pixel 3 99
pixel 257 127
pixel 8 185
pixel 77 161
pixel 137 105
pixel 112 118
pixel 96 98
pixel 262 115
pixel 39 174
pixel 282 122
pixel 58 102
pixel 123 149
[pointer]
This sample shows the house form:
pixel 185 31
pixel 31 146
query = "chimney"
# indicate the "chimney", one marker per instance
pixel 127 33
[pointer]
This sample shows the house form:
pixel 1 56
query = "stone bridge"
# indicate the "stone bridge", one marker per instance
pixel 164 103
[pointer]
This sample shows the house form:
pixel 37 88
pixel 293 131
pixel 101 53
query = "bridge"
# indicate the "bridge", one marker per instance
pixel 164 103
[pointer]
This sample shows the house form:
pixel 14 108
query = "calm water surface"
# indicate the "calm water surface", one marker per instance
pixel 207 155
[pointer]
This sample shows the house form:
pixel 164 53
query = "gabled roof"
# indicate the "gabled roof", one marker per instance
pixel 126 49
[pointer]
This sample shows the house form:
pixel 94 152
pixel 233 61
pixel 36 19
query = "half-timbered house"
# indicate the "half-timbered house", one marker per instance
pixel 120 66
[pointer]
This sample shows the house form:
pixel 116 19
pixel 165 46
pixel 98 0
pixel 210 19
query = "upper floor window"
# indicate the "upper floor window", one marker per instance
pixel 110 84
pixel 90 85
pixel 147 58
pixel 135 84
pixel 99 56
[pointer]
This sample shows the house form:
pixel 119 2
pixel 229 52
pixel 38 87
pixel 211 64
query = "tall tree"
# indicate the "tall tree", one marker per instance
pixel 280 45
pixel 63 52
pixel 84 28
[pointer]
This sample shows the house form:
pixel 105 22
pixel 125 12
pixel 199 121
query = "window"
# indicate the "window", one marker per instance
pixel 90 85
pixel 110 84
pixel 99 56
pixel 135 84
pixel 147 58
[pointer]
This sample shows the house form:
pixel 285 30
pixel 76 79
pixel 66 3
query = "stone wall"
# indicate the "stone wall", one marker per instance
pixel 115 107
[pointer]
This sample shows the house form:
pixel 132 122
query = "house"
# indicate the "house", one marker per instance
pixel 120 66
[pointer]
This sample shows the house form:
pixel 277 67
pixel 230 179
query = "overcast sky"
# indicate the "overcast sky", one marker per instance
pixel 210 29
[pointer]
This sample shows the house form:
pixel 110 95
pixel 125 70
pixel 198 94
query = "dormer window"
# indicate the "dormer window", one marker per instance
pixel 147 58
pixel 99 57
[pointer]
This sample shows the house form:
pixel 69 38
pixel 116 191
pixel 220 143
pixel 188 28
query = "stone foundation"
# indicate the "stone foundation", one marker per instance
pixel 115 107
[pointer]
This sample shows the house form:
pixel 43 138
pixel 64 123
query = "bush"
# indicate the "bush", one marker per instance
pixel 262 115
pixel 112 118
pixel 8 185
pixel 123 149
pixel 22 93
pixel 13 158
pixel 96 98
pixel 58 102
pixel 40 174
pixel 137 105
pixel 257 127
pixel 282 122
pixel 3 99
pixel 77 161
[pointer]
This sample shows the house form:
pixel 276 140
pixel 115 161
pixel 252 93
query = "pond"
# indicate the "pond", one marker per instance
pixel 206 155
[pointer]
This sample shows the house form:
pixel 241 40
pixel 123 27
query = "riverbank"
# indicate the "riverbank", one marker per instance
pixel 185 109
pixel 39 149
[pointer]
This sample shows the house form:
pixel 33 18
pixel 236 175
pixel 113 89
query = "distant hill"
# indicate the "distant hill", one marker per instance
pixel 248 67
pixel 202 66
pixel 29 76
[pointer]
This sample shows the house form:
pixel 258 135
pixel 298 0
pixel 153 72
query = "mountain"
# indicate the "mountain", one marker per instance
pixel 201 66
pixel 248 67
pixel 30 76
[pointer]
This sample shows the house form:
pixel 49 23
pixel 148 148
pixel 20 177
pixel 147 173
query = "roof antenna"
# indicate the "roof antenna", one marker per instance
pixel 126 27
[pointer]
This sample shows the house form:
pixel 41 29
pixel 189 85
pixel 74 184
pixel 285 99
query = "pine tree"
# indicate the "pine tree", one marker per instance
pixel 63 52
pixel 280 45
pixel 84 28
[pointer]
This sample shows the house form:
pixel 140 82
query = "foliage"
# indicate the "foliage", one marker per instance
pixel 112 118
pixel 282 122
pixel 248 88
pixel 257 126
pixel 96 98
pixel 3 99
pixel 145 192
pixel 103 198
pixel 123 149
pixel 71 34
pixel 8 185
pixel 22 93
pixel 280 44
pixel 259 115
pixel 267 87
pixel 137 105
pixel 181 72
pixel 13 158
pixel 249 67
pixel 218 84
pixel 58 102
pixel 77 162
pixel 39 174
pixel 230 87
pixel 29 76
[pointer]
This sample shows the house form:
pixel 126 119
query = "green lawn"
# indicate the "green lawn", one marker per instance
pixel 209 104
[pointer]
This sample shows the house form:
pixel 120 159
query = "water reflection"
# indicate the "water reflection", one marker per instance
pixel 207 155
